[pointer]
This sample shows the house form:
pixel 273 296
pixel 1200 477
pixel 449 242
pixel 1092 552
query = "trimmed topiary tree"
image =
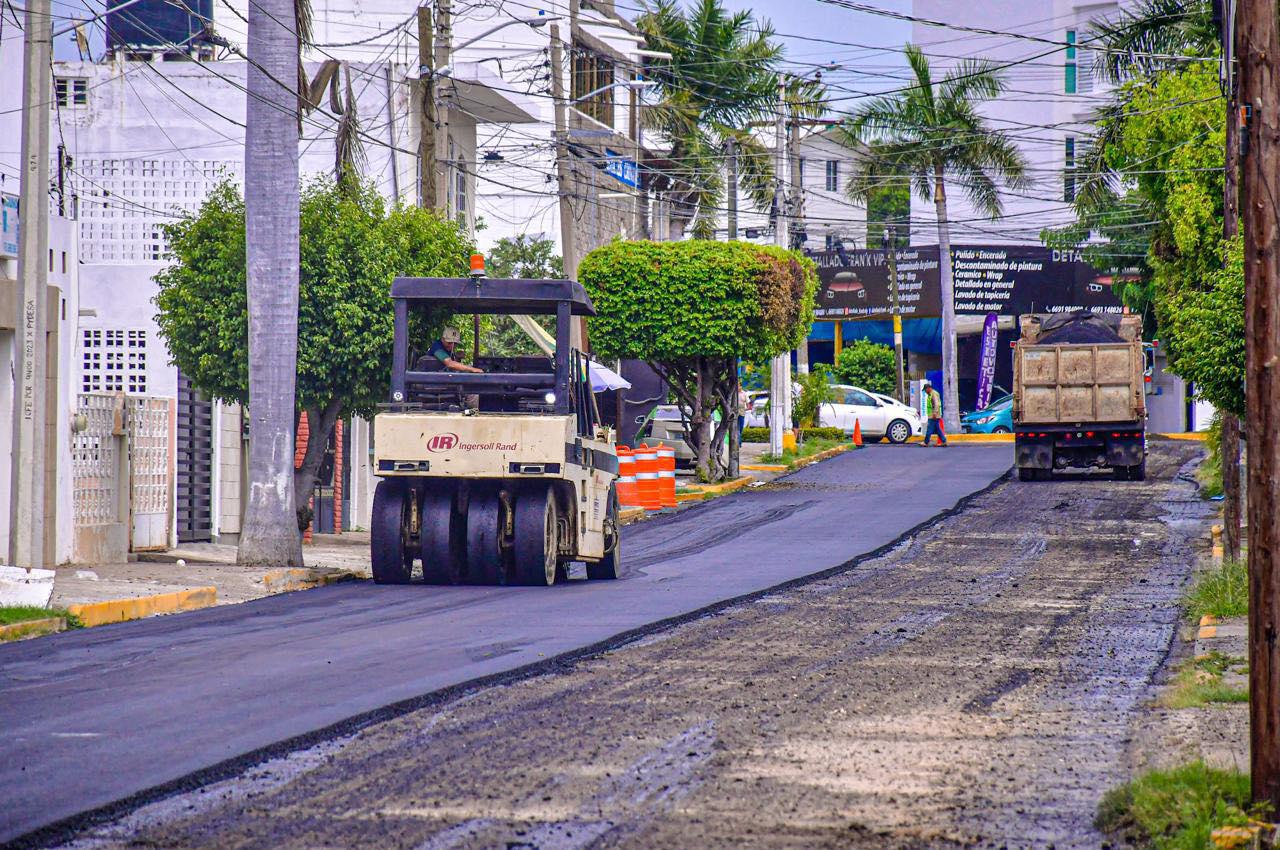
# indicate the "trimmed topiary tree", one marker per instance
pixel 691 310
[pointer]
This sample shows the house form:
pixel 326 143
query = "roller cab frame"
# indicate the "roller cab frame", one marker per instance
pixel 503 477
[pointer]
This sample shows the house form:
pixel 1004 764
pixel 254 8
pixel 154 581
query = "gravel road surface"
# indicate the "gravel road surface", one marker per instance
pixel 976 685
pixel 96 716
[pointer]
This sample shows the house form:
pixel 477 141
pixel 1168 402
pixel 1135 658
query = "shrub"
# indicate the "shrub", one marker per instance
pixel 1220 592
pixel 1176 809
pixel 755 435
pixel 818 434
pixel 867 365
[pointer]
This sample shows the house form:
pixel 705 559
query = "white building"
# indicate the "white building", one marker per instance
pixel 1051 93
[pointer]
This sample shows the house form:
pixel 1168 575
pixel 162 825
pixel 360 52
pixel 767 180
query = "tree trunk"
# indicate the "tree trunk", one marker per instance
pixel 701 423
pixel 320 422
pixel 1231 486
pixel 270 535
pixel 950 389
pixel 1258 52
pixel 735 436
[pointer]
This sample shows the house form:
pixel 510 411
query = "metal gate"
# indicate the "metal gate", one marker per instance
pixel 195 464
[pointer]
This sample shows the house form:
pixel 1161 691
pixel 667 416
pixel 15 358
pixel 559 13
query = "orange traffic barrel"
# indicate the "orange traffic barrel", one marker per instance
pixel 647 487
pixel 627 495
pixel 667 476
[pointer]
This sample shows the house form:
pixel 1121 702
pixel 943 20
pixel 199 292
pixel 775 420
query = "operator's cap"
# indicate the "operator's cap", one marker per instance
pixel 924 382
pixel 450 335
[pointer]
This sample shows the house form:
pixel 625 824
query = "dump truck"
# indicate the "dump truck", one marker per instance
pixel 504 476
pixel 1079 398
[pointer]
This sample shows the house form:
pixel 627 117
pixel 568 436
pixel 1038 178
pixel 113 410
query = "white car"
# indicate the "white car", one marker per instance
pixel 880 416
pixel 877 415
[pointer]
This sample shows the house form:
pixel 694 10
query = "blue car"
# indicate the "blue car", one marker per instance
pixel 995 418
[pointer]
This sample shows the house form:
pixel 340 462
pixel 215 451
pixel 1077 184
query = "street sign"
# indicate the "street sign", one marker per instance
pixel 622 168
pixel 8 225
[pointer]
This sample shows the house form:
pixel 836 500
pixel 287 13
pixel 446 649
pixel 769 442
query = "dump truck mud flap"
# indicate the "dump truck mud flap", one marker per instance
pixel 1033 454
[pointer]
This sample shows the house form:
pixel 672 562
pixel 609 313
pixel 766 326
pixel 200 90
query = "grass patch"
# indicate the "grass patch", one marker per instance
pixel 1209 473
pixel 1176 809
pixel 10 614
pixel 807 449
pixel 1199 682
pixel 1220 592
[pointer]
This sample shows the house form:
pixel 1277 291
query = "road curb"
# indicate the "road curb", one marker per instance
pixel 122 610
pixel 290 579
pixel 962 439
pixel 32 628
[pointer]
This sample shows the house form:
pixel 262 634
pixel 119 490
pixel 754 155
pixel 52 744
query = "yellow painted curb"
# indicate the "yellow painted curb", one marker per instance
pixel 970 438
pixel 764 467
pixel 120 610
pixel 630 515
pixel 32 628
pixel 1208 620
pixel 290 579
pixel 1207 632
pixel 1198 436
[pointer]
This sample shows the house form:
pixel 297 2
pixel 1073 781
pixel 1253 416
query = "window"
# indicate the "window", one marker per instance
pixel 1070 82
pixel 113 360
pixel 833 175
pixel 1069 169
pixel 593 75
pixel 860 399
pixel 71 91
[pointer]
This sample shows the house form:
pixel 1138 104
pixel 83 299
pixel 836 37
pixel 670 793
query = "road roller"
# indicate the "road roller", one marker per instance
pixel 500 476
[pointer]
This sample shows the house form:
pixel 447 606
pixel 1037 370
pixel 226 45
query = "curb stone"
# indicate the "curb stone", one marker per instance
pixel 32 628
pixel 121 610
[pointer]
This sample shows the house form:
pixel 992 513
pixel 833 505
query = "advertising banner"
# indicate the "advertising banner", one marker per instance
pixel 987 365
pixel 1007 280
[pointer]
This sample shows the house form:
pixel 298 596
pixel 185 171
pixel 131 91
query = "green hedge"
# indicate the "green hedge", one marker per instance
pixel 761 435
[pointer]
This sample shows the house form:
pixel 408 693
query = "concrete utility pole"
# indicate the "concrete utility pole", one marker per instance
pixel 434 41
pixel 427 110
pixel 780 371
pixel 564 180
pixel 1257 45
pixel 731 160
pixel 1230 448
pixel 891 255
pixel 26 511
pixel 797 229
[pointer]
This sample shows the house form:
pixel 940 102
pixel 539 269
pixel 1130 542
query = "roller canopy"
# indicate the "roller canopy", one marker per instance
pixel 495 295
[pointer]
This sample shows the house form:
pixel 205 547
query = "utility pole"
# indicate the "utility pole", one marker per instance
pixel 890 242
pixel 780 371
pixel 1257 51
pixel 564 180
pixel 441 50
pixel 1230 448
pixel 26 505
pixel 427 110
pixel 797 228
pixel 731 160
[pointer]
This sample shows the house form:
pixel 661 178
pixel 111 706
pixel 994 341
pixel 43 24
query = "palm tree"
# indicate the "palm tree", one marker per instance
pixel 722 77
pixel 929 134
pixel 270 535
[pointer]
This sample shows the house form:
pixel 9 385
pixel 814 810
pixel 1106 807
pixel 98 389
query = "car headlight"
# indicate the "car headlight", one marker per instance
pixel 983 420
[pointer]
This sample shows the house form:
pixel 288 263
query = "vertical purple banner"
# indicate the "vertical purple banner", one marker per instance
pixel 987 366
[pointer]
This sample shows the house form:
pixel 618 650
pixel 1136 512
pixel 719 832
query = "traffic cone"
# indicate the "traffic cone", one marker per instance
pixel 857 433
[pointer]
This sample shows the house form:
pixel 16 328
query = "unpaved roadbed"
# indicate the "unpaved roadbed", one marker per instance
pixel 977 686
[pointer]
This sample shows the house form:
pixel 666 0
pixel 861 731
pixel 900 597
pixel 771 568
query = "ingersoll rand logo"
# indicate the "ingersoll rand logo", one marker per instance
pixel 442 442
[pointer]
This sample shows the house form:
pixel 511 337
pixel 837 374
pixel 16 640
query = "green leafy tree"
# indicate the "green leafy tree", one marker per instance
pixel 352 245
pixel 815 391
pixel 691 310
pixel 890 205
pixel 524 257
pixel 722 76
pixel 933 132
pixel 868 365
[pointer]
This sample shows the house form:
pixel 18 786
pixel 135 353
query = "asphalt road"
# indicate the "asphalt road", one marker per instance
pixel 96 716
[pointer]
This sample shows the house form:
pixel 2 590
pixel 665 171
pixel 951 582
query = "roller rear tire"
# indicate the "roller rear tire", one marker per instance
pixel 391 555
pixel 536 545
pixel 484 534
pixel 610 566
pixel 443 536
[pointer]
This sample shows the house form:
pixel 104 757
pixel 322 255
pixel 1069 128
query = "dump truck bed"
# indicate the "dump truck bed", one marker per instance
pixel 1074 383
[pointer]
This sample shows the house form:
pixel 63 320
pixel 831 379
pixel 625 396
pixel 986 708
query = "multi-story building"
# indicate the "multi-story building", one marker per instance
pixel 1051 92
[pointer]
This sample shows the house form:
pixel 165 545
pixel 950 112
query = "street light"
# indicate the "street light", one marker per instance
pixel 635 85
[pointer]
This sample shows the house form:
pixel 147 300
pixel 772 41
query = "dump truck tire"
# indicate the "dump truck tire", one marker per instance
pixel 610 566
pixel 484 535
pixel 536 548
pixel 443 536
pixel 391 556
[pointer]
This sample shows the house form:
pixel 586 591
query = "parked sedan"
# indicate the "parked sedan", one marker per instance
pixel 877 417
pixel 995 418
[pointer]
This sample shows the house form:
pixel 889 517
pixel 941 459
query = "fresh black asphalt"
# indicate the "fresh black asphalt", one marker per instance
pixel 95 716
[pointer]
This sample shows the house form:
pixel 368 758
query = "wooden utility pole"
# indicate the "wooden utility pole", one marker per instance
pixel 731 160
pixel 564 180
pixel 1257 52
pixel 1230 449
pixel 26 502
